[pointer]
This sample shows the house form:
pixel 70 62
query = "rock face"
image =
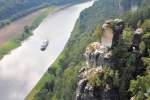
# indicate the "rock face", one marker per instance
pixel 94 82
pixel 137 38
pixel 107 33
pixel 118 27
pixel 112 30
pixel 96 54
pixel 89 89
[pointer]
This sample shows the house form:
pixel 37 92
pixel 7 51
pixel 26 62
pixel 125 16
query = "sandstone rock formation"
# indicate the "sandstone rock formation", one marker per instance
pixel 137 38
pixel 107 33
pixel 94 82
pixel 91 88
pixel 118 27
pixel 95 54
pixel 112 30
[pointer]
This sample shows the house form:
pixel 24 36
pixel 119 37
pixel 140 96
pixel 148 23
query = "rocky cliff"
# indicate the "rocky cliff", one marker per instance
pixel 118 62
pixel 99 78
pixel 95 85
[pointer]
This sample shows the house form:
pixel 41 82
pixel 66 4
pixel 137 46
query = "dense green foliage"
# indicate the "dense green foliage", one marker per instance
pixel 72 56
pixel 131 68
pixel 140 87
pixel 108 76
pixel 65 69
pixel 140 15
pixel 127 4
pixel 12 9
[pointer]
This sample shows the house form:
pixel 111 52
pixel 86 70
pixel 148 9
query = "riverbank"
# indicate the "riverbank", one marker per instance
pixel 39 90
pixel 18 16
pixel 13 11
pixel 13 37
pixel 24 66
pixel 17 27
pixel 13 34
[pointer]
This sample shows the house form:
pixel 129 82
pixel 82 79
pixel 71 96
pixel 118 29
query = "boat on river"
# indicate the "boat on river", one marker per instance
pixel 44 45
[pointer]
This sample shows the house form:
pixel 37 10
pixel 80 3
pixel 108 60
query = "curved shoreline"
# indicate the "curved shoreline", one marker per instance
pixel 11 32
pixel 22 69
pixel 12 35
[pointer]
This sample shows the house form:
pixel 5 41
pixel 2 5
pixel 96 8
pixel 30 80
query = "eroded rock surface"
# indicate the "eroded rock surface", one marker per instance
pixel 137 37
pixel 89 88
pixel 95 82
pixel 96 54
pixel 112 30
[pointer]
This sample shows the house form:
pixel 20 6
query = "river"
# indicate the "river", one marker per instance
pixel 23 67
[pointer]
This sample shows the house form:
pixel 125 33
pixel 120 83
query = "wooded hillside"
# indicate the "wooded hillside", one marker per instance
pixel 59 83
pixel 12 9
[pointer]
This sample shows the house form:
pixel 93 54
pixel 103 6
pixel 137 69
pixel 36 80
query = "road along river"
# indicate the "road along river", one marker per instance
pixel 23 67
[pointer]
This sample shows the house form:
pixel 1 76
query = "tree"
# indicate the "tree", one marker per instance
pixel 146 25
pixel 142 47
pixel 98 33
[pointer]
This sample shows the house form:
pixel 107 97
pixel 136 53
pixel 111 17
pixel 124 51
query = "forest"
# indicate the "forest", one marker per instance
pixel 54 84
pixel 11 10
pixel 59 82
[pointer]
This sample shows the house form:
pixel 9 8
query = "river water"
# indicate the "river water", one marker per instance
pixel 23 67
